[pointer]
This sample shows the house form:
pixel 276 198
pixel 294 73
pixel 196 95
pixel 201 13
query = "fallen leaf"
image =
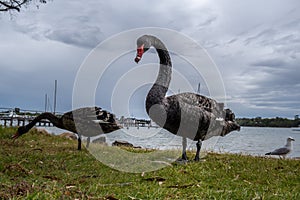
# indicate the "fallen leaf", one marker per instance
pixel 70 186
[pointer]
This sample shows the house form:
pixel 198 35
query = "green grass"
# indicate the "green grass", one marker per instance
pixel 42 166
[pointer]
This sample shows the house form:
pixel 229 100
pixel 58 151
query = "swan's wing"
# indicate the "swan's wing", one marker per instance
pixel 105 116
pixel 91 121
pixel 91 114
pixel 107 120
pixel 195 113
pixel 205 103
pixel 207 115
pixel 199 101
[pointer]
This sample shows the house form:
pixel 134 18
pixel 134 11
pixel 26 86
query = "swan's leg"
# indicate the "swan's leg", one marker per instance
pixel 198 145
pixel 184 144
pixel 88 140
pixel 79 142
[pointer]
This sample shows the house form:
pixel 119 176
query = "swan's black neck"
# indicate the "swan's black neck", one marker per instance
pixel 51 117
pixel 159 89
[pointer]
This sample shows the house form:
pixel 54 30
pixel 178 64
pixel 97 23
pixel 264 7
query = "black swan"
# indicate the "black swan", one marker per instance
pixel 87 121
pixel 283 151
pixel 186 114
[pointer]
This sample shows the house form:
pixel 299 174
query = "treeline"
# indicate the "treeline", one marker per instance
pixel 269 122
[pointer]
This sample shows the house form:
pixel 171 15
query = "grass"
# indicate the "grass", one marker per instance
pixel 42 166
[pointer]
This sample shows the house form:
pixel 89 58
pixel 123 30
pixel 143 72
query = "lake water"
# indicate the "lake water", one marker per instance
pixel 249 140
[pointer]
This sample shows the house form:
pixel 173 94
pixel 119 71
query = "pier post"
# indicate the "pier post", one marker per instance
pixel 11 121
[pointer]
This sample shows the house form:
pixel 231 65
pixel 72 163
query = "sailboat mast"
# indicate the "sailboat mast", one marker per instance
pixel 46 99
pixel 55 91
pixel 198 90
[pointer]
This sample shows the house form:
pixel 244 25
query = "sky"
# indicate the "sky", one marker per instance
pixel 254 44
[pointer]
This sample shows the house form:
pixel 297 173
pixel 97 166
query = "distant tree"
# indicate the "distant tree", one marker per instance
pixel 268 122
pixel 16 5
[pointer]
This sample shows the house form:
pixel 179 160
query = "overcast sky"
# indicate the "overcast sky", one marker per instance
pixel 255 45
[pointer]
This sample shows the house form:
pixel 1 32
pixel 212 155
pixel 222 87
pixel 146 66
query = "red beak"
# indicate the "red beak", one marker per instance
pixel 16 135
pixel 139 54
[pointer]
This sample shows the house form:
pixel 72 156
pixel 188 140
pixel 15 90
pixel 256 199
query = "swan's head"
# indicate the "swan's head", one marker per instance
pixel 143 44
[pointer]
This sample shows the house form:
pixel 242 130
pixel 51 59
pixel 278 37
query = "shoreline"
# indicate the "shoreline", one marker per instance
pixel 69 135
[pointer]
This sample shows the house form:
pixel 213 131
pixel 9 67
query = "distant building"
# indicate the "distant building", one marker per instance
pixel 131 121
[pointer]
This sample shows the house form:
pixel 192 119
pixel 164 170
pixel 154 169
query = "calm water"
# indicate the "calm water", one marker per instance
pixel 250 140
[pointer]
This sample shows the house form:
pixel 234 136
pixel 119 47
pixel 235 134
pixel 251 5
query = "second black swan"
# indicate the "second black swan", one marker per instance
pixel 87 121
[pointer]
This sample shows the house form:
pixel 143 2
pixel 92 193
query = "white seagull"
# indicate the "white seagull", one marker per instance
pixel 283 151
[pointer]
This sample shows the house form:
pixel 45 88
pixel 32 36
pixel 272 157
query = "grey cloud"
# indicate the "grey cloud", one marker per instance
pixel 86 25
pixel 232 40
pixel 75 31
pixel 262 34
pixel 273 84
pixel 86 36
pixel 281 38
pixel 208 21
pixel 255 45
pixel 276 62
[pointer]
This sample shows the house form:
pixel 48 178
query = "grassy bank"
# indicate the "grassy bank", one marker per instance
pixel 42 166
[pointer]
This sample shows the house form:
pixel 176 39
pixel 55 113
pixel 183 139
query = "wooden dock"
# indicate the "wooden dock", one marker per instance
pixel 21 121
pixel 20 117
pixel 133 122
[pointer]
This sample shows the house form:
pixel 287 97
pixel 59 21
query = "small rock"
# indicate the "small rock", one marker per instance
pixel 122 143
pixel 68 135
